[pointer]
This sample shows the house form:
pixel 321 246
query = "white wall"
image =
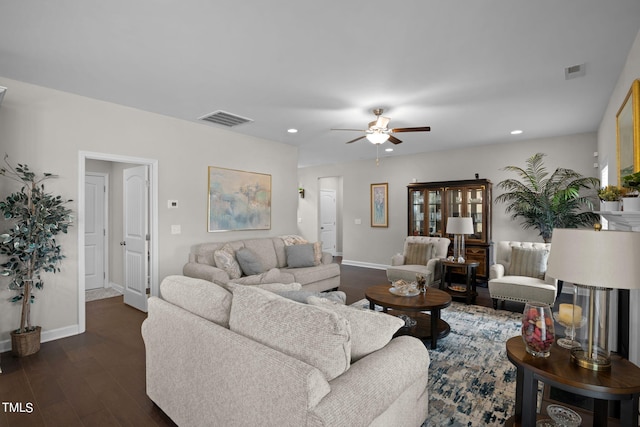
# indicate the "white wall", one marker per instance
pixel 46 129
pixel 607 145
pixel 365 245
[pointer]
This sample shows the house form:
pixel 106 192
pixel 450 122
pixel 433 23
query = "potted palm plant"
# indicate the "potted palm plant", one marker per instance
pixel 545 202
pixel 610 198
pixel 29 245
pixel 631 200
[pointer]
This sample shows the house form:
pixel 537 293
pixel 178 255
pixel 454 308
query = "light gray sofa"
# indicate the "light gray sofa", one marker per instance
pixel 211 360
pixel 273 257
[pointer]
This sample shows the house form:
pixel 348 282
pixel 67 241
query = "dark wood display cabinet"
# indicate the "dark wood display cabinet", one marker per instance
pixel 431 203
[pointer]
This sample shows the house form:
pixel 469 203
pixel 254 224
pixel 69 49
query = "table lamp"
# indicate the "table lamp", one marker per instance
pixel 595 262
pixel 459 226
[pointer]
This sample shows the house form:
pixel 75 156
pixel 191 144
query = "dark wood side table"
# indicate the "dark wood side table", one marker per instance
pixel 428 326
pixel 470 268
pixel 621 383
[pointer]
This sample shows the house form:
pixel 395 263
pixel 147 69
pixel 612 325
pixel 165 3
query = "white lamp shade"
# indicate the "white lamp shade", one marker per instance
pixel 377 137
pixel 459 225
pixel 607 259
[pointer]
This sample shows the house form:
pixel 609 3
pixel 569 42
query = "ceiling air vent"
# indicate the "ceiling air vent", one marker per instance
pixel 574 71
pixel 225 119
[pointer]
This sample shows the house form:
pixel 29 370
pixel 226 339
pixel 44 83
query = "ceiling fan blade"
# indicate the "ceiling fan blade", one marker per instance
pixel 394 140
pixel 357 130
pixel 357 139
pixel 417 129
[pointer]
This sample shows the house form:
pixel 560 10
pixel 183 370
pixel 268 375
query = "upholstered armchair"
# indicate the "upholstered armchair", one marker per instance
pixel 421 255
pixel 519 273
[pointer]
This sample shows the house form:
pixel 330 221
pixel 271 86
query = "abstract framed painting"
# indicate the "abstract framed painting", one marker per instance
pixel 379 205
pixel 238 200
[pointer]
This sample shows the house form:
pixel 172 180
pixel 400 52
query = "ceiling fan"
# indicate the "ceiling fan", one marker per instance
pixel 378 132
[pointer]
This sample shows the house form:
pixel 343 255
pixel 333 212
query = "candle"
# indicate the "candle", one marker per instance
pixel 569 314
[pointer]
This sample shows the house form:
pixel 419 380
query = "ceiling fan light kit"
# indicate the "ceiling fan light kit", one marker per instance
pixel 378 132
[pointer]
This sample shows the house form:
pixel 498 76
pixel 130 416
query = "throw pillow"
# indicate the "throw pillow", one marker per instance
pixel 198 296
pixel 226 260
pixel 317 253
pixel 530 262
pixel 311 334
pixel 300 255
pixel 418 253
pixel 302 295
pixel 370 330
pixel 249 262
pixel 293 239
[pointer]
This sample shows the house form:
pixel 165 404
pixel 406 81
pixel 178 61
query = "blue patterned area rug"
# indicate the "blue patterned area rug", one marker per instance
pixel 471 381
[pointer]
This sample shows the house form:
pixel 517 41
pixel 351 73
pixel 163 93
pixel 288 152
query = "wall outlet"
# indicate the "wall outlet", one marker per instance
pixel 358 221
pixel 176 229
pixel 172 204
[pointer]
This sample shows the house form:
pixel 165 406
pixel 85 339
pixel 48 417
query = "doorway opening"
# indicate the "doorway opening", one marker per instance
pixel 152 166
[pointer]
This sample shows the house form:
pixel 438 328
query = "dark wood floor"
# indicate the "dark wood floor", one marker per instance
pixel 98 379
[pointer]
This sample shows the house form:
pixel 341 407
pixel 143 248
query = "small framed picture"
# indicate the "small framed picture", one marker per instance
pixel 379 205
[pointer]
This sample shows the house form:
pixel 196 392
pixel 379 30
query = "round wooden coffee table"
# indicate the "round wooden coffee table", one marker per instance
pixel 427 326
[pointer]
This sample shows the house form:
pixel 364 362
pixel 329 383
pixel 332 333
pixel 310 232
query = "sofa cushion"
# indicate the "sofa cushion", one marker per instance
pixel 302 295
pixel 528 262
pixel 206 299
pixel 264 250
pixel 226 260
pixel 300 255
pixel 311 334
pixel 249 262
pixel 318 273
pixel 271 287
pixel 270 276
pixel 370 330
pixel 418 253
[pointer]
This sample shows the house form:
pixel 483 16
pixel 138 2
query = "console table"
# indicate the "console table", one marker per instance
pixel 621 383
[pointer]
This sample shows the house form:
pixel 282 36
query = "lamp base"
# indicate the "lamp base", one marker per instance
pixel 581 358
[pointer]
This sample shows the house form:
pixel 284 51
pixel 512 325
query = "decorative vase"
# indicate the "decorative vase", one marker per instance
pixel 609 206
pixel 537 329
pixel 631 204
pixel 26 343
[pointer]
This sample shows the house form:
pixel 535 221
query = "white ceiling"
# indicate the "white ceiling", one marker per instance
pixel 472 70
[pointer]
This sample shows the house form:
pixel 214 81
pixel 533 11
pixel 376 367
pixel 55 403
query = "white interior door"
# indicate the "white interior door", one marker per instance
pixel 136 226
pixel 94 231
pixel 328 210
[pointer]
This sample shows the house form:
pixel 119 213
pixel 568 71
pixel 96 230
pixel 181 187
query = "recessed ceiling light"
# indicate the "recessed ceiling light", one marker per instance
pixel 516 132
pixel 388 149
pixel 292 130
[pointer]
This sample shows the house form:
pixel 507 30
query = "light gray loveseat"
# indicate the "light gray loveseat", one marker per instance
pixel 272 255
pixel 213 358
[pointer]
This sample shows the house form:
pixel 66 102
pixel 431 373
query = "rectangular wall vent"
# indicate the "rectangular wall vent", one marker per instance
pixel 574 71
pixel 225 119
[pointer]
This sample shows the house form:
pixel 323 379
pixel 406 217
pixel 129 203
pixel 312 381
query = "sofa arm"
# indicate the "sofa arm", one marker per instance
pixel 496 271
pixel 327 258
pixel 205 272
pixel 379 379
pixel 397 259
pixel 200 373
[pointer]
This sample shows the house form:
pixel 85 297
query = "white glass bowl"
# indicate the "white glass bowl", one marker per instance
pixel 564 416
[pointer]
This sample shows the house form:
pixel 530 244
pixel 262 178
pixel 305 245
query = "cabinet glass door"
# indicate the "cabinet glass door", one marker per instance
pixel 434 207
pixel 474 210
pixel 455 202
pixel 416 220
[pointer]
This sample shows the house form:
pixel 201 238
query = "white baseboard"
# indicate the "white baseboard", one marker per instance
pixel 45 336
pixel 117 287
pixel 365 264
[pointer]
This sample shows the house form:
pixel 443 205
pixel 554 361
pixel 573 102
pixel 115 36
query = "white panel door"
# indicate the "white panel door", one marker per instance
pixel 94 231
pixel 136 214
pixel 328 220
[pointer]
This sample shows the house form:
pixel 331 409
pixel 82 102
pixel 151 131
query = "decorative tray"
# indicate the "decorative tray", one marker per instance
pixel 404 292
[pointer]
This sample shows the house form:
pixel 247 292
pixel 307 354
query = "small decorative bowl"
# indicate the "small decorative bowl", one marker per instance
pixel 564 416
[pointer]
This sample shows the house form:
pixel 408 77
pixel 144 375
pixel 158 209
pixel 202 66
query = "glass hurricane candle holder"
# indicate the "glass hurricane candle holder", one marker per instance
pixel 537 329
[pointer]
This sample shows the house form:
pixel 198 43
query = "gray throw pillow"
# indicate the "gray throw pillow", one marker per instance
pixel 300 255
pixel 302 295
pixel 249 262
